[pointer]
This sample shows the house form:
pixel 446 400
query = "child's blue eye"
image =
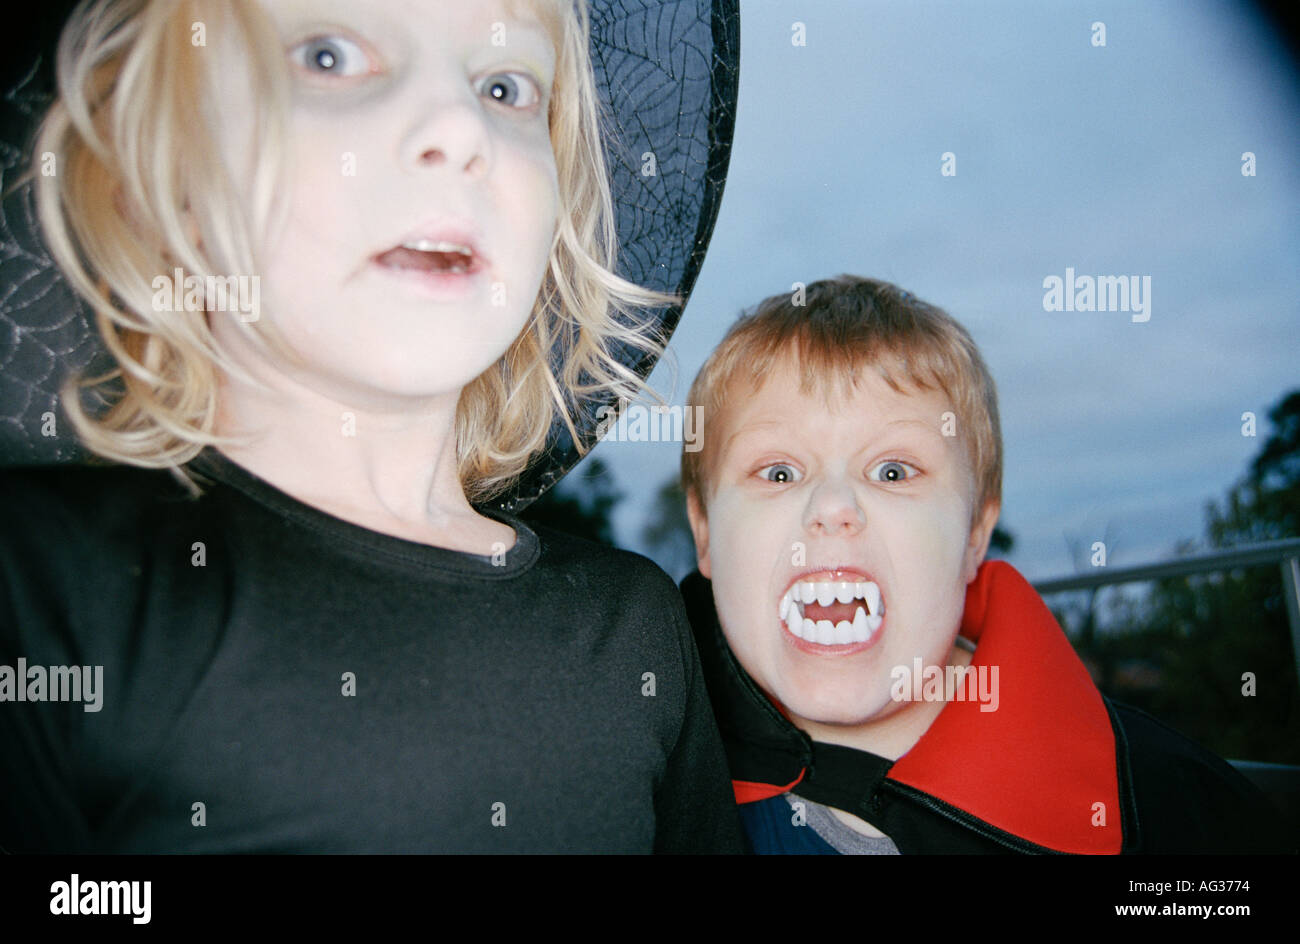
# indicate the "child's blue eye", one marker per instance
pixel 515 89
pixel 893 471
pixel 781 473
pixel 331 55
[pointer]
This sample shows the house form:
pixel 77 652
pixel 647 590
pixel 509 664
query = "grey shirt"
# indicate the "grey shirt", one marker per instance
pixel 843 838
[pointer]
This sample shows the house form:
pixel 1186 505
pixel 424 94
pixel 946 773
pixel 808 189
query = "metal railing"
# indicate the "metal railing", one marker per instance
pixel 1285 553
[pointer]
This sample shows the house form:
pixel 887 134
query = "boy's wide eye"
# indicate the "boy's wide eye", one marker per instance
pixel 332 56
pixel 515 89
pixel 893 471
pixel 780 473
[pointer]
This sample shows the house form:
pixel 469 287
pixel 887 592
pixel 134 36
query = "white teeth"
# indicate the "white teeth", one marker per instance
pixel 861 626
pixel 826 592
pixel 429 245
pixel 825 633
pixel 843 632
pixel 860 629
pixel 867 618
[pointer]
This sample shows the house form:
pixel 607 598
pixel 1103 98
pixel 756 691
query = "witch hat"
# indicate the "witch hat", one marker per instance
pixel 666 72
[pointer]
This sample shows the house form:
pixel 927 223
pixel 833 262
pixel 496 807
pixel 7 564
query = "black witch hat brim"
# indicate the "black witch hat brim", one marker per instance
pixel 667 74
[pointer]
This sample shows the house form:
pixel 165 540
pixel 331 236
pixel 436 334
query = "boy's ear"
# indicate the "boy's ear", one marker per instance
pixel 700 531
pixel 980 533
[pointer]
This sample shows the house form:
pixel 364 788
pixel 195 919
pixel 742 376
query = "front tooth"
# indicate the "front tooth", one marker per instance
pixel 429 245
pixel 808 630
pixel 873 598
pixel 844 592
pixel 825 593
pixel 843 632
pixel 807 592
pixel 826 632
pixel 861 631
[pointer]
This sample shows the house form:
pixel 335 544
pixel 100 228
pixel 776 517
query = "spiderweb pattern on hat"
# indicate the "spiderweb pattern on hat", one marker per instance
pixel 667 72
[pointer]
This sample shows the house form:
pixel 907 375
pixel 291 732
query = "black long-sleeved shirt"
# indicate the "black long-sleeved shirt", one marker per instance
pixel 275 679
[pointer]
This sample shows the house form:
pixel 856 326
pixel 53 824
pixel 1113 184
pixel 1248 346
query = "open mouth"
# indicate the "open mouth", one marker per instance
pixel 833 612
pixel 434 256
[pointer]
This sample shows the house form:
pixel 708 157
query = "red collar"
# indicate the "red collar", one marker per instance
pixel 1042 766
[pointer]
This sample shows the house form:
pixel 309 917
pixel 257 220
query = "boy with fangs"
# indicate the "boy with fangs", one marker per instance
pixel 880 688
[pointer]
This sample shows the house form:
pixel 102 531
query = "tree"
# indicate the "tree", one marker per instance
pixel 1001 541
pixel 1265 506
pixel 668 534
pixel 581 504
pixel 1194 646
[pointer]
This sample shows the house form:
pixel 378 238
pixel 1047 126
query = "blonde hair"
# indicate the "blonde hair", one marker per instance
pixel 842 325
pixel 141 189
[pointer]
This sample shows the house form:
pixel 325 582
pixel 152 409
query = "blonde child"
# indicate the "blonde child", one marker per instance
pixel 353 262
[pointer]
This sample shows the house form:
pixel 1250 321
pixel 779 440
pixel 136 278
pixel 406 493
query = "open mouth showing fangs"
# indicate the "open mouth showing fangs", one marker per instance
pixel 833 612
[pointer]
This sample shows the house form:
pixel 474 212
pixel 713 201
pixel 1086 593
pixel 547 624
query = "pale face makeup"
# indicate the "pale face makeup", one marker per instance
pixel 415 224
pixel 421 192
pixel 839 540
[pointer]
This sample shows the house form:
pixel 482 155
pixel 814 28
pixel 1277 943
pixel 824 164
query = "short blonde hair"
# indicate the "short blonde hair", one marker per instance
pixel 141 189
pixel 841 326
